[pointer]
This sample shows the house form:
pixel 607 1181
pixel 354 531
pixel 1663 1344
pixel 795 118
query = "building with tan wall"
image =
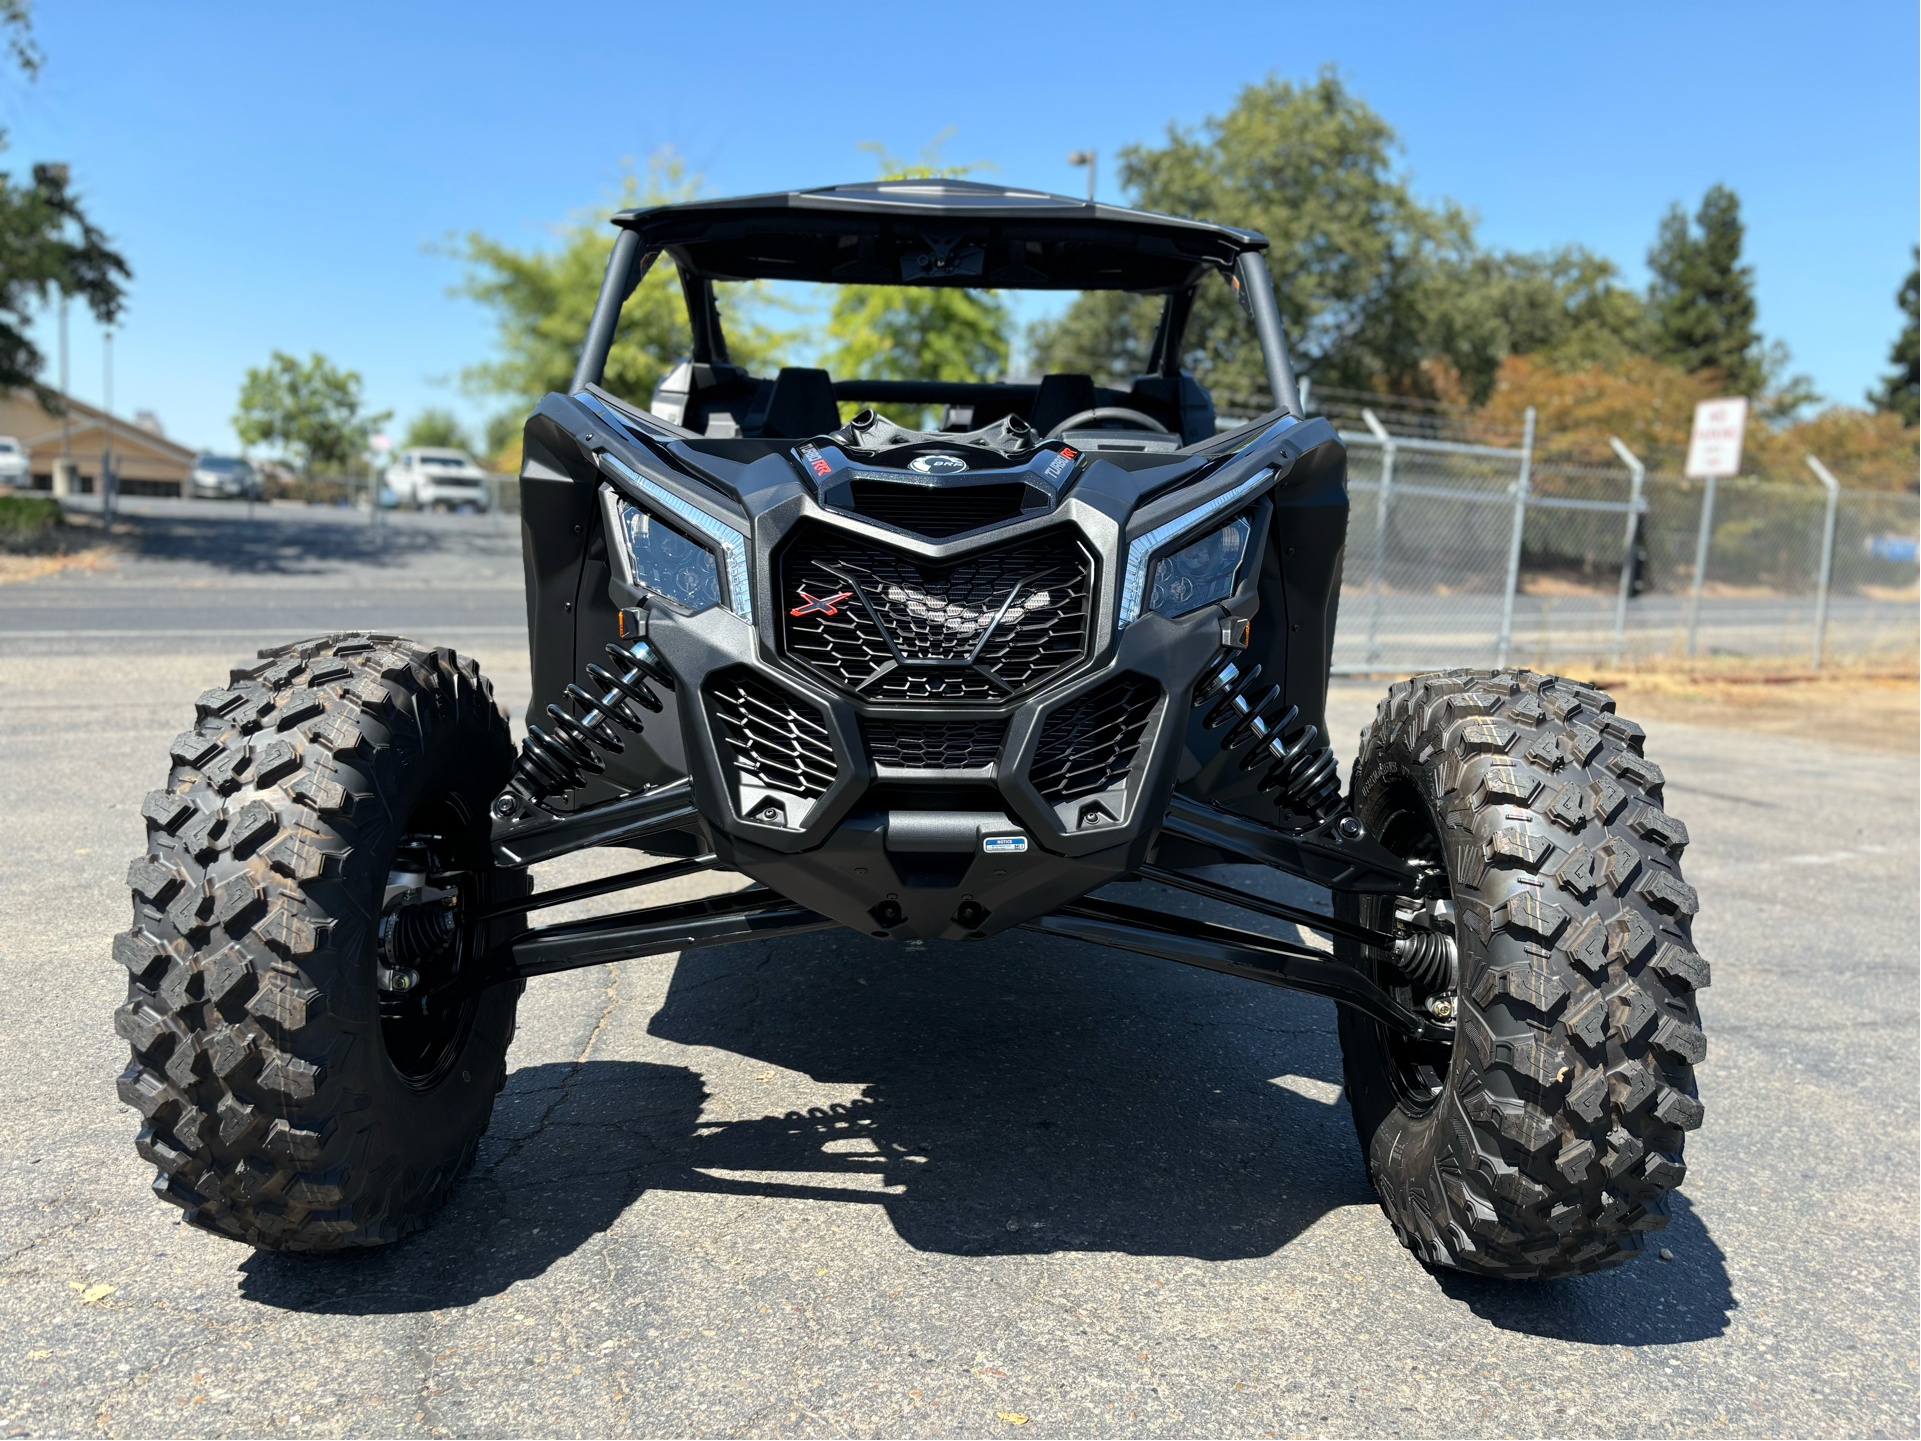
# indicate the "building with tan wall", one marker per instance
pixel 147 463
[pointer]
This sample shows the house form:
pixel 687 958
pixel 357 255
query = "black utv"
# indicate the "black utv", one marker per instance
pixel 926 683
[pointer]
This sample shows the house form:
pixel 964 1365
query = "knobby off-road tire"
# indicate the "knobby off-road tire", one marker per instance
pixel 1547 1141
pixel 279 1107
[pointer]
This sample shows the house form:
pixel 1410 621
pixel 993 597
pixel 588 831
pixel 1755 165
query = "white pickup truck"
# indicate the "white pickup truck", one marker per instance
pixel 430 478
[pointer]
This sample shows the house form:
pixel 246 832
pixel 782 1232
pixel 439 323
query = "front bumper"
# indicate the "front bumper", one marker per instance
pixel 922 819
pixel 474 495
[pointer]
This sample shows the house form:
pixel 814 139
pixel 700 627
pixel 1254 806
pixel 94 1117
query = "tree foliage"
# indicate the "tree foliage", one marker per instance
pixel 438 428
pixel 48 247
pixel 1380 291
pixel 1701 301
pixel 1900 392
pixel 16 23
pixel 543 297
pixel 1311 167
pixel 1373 285
pixel 311 412
pixel 897 332
pixel 1565 306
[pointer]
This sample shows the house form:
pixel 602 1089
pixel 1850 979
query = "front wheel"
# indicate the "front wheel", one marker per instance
pixel 1545 1139
pixel 313 1068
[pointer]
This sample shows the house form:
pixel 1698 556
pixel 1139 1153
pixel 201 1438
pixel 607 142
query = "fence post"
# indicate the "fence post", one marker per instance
pixel 1514 542
pixel 1833 488
pixel 1700 563
pixel 1380 530
pixel 1638 474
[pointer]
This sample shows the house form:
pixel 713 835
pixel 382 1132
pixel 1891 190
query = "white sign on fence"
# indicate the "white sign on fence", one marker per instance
pixel 1714 449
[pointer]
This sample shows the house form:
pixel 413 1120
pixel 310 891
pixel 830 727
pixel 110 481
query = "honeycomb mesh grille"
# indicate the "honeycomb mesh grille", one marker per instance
pixel 1086 746
pixel 982 628
pixel 778 740
pixel 934 745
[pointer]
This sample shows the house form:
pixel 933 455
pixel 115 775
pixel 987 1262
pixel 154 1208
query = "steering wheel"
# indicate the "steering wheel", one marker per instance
pixel 1093 420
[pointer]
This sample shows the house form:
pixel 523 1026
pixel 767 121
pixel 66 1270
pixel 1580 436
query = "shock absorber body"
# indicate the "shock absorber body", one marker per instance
pixel 1302 775
pixel 559 760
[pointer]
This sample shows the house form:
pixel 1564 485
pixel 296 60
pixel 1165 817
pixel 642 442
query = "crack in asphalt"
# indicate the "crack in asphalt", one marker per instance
pixel 566 1086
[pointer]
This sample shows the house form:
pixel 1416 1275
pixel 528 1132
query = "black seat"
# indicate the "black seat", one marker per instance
pixel 802 404
pixel 1059 397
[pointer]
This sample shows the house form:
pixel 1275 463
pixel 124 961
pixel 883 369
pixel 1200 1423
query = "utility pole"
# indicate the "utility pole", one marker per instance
pixel 63 469
pixel 1091 159
pixel 106 446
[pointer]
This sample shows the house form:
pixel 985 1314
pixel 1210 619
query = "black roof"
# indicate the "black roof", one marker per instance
pixel 939 232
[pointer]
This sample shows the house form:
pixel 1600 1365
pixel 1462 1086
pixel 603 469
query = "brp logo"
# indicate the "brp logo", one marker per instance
pixel 937 464
pixel 820 604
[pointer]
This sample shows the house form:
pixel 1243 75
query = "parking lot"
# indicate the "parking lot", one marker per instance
pixel 836 1186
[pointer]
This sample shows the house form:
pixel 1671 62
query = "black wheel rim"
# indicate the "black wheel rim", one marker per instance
pixel 425 1030
pixel 1416 1069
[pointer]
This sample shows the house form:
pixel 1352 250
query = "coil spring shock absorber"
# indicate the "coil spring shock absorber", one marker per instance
pixel 1302 776
pixel 559 760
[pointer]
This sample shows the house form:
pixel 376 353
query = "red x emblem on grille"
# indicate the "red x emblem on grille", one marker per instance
pixel 821 605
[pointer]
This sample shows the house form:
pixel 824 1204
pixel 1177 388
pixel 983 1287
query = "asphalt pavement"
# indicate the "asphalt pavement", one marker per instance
pixel 834 1186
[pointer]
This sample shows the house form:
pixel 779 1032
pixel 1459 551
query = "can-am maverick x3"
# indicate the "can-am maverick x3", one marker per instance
pixel 927 684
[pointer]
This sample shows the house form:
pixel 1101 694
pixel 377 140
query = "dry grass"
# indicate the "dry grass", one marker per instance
pixel 1869 710
pixel 32 567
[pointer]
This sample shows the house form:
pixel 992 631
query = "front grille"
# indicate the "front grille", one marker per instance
pixel 936 511
pixel 934 745
pixel 1086 746
pixel 779 742
pixel 983 628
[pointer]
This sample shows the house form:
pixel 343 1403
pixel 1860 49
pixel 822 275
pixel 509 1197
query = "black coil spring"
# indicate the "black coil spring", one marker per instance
pixel 561 759
pixel 1302 776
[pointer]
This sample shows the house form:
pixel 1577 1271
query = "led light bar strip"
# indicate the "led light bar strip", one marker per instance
pixel 732 544
pixel 1141 553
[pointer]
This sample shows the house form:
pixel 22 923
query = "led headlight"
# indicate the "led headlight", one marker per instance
pixel 1135 591
pixel 683 569
pixel 667 562
pixel 1201 573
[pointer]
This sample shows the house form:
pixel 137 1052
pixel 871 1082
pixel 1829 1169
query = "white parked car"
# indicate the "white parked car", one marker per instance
pixel 14 464
pixel 222 477
pixel 429 477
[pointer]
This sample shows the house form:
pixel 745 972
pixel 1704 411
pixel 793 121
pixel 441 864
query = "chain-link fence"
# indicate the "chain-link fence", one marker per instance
pixel 1461 553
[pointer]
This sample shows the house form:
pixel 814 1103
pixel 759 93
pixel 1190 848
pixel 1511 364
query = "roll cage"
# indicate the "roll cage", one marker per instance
pixel 940 233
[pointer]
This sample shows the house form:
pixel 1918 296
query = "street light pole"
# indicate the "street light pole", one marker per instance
pixel 63 470
pixel 106 446
pixel 1091 159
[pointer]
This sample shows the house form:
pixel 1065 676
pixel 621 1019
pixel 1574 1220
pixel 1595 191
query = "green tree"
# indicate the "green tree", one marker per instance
pixel 312 412
pixel 1701 302
pixel 897 332
pixel 48 247
pixel 1900 392
pixel 542 299
pixel 1311 167
pixel 1566 306
pixel 16 22
pixel 438 428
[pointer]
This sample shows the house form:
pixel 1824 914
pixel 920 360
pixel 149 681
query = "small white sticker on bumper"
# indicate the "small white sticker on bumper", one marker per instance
pixel 1003 845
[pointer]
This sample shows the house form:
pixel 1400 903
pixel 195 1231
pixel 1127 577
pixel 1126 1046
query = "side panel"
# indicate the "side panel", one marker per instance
pixel 556 509
pixel 1291 637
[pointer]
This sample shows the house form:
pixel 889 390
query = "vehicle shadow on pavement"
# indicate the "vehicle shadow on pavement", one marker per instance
pixel 1026 1097
pixel 1646 1302
pixel 287 542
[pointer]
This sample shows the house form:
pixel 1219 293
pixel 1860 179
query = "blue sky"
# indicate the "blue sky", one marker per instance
pixel 276 174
